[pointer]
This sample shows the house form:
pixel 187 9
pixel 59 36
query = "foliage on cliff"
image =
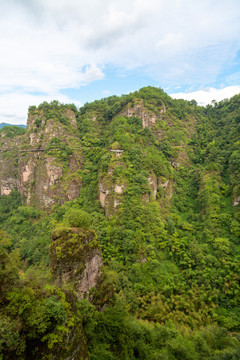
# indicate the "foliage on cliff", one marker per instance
pixel 160 188
pixel 10 131
pixel 36 318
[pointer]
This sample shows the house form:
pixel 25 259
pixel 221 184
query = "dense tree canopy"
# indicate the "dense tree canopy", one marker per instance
pixel 168 232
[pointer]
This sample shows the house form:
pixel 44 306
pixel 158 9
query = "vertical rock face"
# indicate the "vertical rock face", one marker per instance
pixel 9 165
pixel 103 192
pixel 43 164
pixel 148 117
pixel 110 192
pixel 75 258
pixel 152 180
pixel 75 262
pixel 8 185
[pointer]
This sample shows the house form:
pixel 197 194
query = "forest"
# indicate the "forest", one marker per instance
pixel 159 204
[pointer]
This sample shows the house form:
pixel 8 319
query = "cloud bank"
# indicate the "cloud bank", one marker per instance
pixel 204 97
pixel 51 46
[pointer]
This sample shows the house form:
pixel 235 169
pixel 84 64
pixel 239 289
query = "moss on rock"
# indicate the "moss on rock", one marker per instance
pixel 75 259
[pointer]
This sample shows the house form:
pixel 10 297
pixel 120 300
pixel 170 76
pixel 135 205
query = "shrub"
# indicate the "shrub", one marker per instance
pixel 77 218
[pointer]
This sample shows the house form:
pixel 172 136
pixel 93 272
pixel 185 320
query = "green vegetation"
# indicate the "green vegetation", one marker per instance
pixel 52 110
pixel 35 316
pixel 11 131
pixel 167 229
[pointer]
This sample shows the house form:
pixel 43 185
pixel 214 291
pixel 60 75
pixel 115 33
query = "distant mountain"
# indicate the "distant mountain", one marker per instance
pixel 5 124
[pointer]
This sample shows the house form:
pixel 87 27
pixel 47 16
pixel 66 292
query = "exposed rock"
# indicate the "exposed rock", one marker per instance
pixel 43 177
pixel 34 138
pixel 8 185
pixel 54 172
pixel 110 194
pixel 175 164
pixel 91 274
pixel 152 180
pixel 102 194
pixel 236 201
pixel 26 167
pixel 148 117
pixel 165 184
pixel 75 258
pixel 39 180
pixel 74 188
pixel 27 172
pixel 118 189
pixel 9 167
pixel 116 202
pixel 70 115
pixel 31 120
pixel 46 200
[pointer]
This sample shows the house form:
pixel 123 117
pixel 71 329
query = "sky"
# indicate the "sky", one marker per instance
pixel 77 51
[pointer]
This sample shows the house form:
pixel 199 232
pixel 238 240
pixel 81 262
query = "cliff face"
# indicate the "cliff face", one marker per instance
pixel 75 259
pixel 9 164
pixel 148 117
pixel 111 187
pixel 155 174
pixel 44 163
pixel 157 189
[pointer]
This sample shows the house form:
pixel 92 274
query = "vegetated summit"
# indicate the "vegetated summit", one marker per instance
pixel 119 230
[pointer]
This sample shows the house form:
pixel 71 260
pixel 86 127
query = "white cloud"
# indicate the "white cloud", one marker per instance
pixel 47 46
pixel 206 96
pixel 14 106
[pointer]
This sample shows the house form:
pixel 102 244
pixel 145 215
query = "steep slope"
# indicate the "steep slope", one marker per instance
pixel 146 130
pixel 158 186
pixel 171 223
pixel 43 164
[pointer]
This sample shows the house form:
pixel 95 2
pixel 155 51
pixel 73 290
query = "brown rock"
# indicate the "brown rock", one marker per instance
pixel 75 259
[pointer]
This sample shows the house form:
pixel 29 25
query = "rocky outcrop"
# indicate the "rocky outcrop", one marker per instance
pixel 110 194
pixel 118 189
pixel 236 201
pixel 43 164
pixel 39 180
pixel 167 186
pixel 9 165
pixel 8 185
pixel 75 259
pixel 111 187
pixel 152 181
pixel 109 198
pixel 103 193
pixel 91 274
pixel 148 117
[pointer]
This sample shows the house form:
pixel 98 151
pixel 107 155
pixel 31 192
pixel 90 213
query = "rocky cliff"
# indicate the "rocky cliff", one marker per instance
pixel 75 259
pixel 159 184
pixel 43 164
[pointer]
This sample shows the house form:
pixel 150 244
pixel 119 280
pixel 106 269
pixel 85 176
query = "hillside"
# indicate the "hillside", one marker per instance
pixel 120 228
pixel 6 124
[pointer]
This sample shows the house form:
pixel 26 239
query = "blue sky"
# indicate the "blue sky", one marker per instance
pixel 77 51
